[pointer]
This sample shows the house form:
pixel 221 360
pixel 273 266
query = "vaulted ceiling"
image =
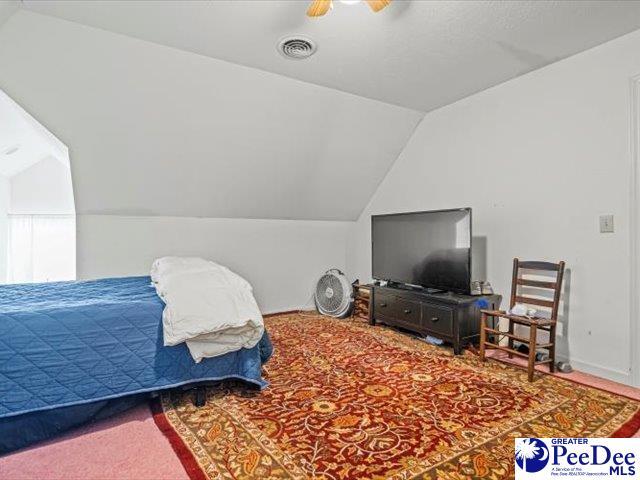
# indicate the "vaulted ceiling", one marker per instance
pixel 415 53
pixel 153 130
pixel 180 108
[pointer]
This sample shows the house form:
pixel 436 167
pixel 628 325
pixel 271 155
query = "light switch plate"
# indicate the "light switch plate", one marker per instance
pixel 606 223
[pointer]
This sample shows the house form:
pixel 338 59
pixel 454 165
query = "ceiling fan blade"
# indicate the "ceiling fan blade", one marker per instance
pixel 377 5
pixel 318 8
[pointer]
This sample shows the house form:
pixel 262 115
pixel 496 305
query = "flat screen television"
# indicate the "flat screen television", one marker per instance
pixel 426 249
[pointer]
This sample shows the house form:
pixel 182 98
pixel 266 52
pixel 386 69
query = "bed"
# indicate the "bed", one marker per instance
pixel 71 352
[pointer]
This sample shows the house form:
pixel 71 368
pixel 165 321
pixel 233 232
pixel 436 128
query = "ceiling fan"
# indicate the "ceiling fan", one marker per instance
pixel 319 7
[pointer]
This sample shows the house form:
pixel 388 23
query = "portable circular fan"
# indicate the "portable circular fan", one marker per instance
pixel 334 294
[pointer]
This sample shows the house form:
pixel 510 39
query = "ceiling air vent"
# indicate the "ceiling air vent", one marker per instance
pixel 297 48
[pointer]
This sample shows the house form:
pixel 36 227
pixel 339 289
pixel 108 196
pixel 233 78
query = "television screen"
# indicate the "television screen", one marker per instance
pixel 428 249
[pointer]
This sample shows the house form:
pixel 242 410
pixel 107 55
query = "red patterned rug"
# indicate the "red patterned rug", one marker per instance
pixel 350 401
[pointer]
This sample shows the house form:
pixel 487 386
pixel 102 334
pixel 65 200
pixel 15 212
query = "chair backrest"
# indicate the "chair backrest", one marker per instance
pixel 521 281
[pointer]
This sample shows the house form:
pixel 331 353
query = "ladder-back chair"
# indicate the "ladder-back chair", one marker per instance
pixel 521 286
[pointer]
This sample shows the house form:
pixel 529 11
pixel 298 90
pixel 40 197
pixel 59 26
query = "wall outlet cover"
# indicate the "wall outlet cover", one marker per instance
pixel 606 223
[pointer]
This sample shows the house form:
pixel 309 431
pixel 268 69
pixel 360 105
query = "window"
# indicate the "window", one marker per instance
pixel 42 248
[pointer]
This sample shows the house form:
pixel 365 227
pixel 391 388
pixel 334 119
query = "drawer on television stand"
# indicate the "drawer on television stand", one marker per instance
pixel 452 317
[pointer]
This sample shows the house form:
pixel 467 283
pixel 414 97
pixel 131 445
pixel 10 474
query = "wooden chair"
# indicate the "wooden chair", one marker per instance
pixel 518 283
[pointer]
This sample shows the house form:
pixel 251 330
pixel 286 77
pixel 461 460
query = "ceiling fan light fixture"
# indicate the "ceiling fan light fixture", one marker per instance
pixel 377 5
pixel 318 8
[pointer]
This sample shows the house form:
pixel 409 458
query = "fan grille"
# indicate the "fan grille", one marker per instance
pixel 330 293
pixel 297 48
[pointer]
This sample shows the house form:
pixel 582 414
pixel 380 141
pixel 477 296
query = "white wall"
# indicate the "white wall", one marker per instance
pixel 281 258
pixel 42 189
pixel 538 158
pixel 4 232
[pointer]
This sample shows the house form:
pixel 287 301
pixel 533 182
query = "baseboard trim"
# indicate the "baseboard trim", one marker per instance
pixel 273 313
pixel 612 374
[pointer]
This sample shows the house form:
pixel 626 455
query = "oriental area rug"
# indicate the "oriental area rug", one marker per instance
pixel 350 401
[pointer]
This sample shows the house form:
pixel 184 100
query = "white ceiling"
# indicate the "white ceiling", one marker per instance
pixel 153 130
pixel 418 54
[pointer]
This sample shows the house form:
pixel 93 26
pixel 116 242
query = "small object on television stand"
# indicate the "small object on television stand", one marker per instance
pixel 487 289
pixel 481 287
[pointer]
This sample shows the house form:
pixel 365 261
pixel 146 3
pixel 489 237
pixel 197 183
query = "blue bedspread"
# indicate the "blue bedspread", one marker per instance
pixel 72 343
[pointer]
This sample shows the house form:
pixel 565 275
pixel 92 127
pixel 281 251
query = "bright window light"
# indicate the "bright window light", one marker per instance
pixel 42 248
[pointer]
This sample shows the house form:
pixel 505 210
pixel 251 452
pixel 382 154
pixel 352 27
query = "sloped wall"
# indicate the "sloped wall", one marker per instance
pixel 176 153
pixel 538 158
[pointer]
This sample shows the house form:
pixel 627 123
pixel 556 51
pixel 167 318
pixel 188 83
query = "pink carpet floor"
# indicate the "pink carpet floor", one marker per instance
pixel 130 446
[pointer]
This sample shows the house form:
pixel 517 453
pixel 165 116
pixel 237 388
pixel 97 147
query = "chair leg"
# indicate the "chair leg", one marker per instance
pixel 483 335
pixel 552 348
pixel 533 335
pixel 511 339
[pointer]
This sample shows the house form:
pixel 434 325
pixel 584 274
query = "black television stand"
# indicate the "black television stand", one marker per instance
pixel 452 317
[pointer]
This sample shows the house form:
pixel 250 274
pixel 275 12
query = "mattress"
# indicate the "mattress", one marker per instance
pixel 72 343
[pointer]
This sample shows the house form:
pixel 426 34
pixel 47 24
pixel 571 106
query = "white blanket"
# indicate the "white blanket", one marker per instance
pixel 208 306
